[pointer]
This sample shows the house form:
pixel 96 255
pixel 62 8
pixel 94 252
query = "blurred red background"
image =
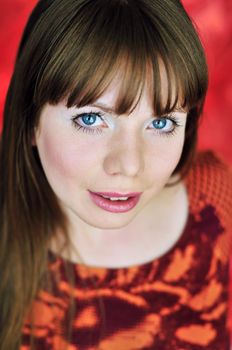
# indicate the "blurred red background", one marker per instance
pixel 213 19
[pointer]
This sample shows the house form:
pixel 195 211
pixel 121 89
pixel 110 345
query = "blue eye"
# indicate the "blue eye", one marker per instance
pixel 160 123
pixel 93 122
pixel 90 122
pixel 89 118
pixel 165 126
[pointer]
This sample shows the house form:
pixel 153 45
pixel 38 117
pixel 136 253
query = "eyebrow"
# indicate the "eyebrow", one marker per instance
pixel 104 107
pixel 111 110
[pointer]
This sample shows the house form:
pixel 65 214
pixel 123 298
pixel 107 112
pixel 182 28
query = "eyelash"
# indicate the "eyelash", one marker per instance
pixel 86 129
pixel 98 131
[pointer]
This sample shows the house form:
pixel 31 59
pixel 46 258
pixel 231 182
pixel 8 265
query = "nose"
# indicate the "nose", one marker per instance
pixel 125 155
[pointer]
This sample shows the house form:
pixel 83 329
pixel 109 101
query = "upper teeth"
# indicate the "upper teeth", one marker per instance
pixel 116 199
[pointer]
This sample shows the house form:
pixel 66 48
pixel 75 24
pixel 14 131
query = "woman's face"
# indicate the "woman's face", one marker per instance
pixel 92 149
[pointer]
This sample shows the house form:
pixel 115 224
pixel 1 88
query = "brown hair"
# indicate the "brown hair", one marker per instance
pixel 72 49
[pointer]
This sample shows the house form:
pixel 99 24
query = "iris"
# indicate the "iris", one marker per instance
pixel 89 118
pixel 159 123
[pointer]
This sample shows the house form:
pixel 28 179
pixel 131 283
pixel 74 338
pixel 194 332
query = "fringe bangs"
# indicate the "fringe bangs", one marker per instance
pixel 118 38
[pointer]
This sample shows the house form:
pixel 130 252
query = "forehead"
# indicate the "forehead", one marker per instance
pixel 111 96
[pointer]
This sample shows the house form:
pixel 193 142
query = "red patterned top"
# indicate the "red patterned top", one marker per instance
pixel 178 301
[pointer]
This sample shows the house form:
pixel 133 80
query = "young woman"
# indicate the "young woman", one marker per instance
pixel 114 230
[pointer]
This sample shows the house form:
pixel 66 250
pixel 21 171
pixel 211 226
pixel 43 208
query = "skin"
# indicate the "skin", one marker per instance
pixel 127 155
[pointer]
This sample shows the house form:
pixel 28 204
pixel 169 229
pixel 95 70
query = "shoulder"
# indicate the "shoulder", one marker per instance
pixel 211 169
pixel 210 183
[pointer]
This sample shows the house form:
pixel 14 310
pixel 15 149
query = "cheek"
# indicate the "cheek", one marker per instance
pixel 166 155
pixel 63 158
pixel 163 161
pixel 175 150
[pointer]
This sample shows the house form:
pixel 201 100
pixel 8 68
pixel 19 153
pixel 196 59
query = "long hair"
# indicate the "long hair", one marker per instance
pixel 72 49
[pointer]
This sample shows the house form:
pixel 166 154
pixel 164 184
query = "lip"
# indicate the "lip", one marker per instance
pixel 117 194
pixel 117 206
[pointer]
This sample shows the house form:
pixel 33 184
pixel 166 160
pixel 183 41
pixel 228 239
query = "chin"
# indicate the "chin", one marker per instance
pixel 112 222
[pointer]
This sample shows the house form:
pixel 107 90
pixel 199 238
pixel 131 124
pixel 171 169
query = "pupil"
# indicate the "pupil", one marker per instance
pixel 160 124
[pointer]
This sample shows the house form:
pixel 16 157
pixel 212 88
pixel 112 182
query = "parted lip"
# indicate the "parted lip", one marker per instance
pixel 118 194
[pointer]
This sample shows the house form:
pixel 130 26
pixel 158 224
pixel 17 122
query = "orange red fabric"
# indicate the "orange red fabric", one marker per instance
pixel 179 301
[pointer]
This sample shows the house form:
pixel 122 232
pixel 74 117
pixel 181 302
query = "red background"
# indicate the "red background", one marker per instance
pixel 214 22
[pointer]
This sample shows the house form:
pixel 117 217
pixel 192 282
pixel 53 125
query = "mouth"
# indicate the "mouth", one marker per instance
pixel 115 202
